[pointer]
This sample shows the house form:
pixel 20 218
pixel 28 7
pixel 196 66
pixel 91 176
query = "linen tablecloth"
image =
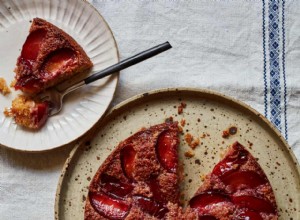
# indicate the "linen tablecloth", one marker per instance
pixel 247 49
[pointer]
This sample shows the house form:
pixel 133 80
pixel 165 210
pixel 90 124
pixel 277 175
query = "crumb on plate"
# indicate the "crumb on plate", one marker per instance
pixel 4 89
pixel 181 107
pixel 189 154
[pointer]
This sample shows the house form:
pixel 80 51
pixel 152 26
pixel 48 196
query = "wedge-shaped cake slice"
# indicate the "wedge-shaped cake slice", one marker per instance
pixel 49 56
pixel 139 179
pixel 237 189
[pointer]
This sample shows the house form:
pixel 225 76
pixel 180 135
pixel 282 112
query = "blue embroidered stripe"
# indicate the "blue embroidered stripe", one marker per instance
pixel 275 89
pixel 283 68
pixel 265 60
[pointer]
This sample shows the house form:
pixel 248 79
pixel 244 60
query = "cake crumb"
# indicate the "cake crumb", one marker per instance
pixel 181 107
pixel 188 138
pixel 195 143
pixel 180 129
pixel 13 83
pixel 169 120
pixel 7 112
pixel 225 134
pixel 189 154
pixel 4 89
pixel 182 122
pixel 191 141
pixel 202 177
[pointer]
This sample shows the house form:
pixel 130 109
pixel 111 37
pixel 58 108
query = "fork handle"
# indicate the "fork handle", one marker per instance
pixel 128 62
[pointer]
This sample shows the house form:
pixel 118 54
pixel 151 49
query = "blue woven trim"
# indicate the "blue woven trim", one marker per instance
pixel 265 60
pixel 275 89
pixel 283 69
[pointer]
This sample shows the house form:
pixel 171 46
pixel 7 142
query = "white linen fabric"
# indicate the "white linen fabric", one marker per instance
pixel 247 49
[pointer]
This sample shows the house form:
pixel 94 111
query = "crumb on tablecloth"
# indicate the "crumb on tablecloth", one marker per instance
pixel 4 89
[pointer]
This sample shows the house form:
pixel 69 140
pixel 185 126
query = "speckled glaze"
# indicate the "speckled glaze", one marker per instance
pixel 207 115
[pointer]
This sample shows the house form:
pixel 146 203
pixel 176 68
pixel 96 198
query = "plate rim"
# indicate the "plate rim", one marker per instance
pixel 139 97
pixel 117 75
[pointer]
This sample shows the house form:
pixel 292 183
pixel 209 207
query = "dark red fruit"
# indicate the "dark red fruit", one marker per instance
pixel 42 110
pixel 32 44
pixel 207 198
pixel 249 179
pixel 112 186
pixel 58 60
pixel 109 207
pixel 128 155
pixel 207 217
pixel 28 83
pixel 248 215
pixel 232 161
pixel 155 189
pixel 153 208
pixel 166 149
pixel 253 203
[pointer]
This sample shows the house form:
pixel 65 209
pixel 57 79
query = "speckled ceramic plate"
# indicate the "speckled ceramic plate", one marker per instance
pixel 83 108
pixel 207 114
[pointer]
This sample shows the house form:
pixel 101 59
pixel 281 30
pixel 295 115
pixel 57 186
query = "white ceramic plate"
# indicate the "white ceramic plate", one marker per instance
pixel 206 112
pixel 83 108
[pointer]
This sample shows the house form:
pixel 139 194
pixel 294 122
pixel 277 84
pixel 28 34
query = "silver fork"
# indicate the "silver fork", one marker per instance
pixel 55 97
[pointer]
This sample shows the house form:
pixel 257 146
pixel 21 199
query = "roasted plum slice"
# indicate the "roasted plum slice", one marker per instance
pixel 127 156
pixel 114 187
pixel 32 44
pixel 232 161
pixel 166 150
pixel 238 179
pixel 150 206
pixel 253 203
pixel 57 61
pixel 108 207
pixel 211 197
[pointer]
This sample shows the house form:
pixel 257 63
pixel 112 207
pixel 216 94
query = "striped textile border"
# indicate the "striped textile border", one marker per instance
pixel 275 91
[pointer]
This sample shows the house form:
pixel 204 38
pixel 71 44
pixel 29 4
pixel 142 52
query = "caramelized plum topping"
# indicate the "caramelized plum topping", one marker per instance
pixel 114 187
pixel 109 207
pixel 253 203
pixel 42 110
pixel 166 150
pixel 236 180
pixel 28 83
pixel 32 44
pixel 155 189
pixel 128 155
pixel 58 60
pixel 207 198
pixel 150 206
pixel 232 161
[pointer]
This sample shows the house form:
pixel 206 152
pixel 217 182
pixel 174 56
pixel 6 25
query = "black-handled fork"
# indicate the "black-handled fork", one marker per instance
pixel 55 97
